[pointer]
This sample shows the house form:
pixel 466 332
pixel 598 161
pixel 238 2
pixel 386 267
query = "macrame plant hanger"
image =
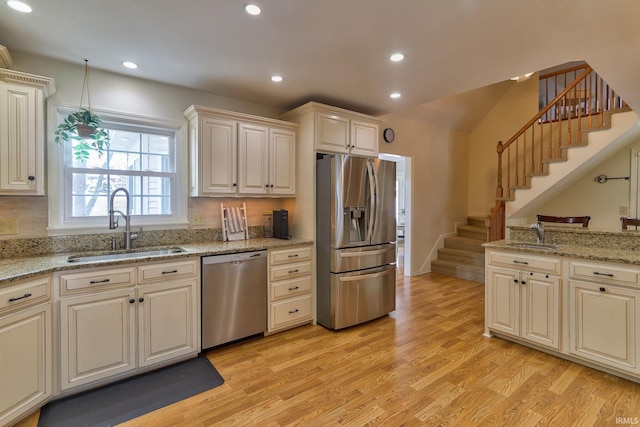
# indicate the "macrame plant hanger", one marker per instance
pixel 85 131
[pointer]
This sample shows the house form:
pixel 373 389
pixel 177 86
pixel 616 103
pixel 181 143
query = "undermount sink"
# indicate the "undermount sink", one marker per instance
pixel 527 245
pixel 125 255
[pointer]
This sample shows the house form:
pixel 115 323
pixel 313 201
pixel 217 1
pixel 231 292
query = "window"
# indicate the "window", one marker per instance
pixel 142 157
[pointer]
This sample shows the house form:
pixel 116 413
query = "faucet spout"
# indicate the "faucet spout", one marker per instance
pixel 539 231
pixel 113 220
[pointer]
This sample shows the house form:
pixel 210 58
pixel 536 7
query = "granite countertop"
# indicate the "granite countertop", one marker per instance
pixel 12 269
pixel 625 256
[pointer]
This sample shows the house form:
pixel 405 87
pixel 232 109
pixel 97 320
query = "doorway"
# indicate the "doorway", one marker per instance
pixel 403 210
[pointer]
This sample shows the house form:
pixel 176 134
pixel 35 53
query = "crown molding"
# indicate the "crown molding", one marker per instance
pixel 47 84
pixel 5 58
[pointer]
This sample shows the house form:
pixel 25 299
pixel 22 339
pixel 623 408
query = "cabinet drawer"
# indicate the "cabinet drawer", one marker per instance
pixel 167 271
pixel 604 272
pixel 288 271
pixel 526 262
pixel 289 255
pixel 95 279
pixel 24 294
pixel 289 288
pixel 291 311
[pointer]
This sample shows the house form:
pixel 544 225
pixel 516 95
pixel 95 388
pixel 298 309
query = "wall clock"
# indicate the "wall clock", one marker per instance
pixel 389 135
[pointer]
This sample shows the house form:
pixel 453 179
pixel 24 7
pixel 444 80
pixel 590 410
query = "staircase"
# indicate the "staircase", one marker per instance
pixel 463 254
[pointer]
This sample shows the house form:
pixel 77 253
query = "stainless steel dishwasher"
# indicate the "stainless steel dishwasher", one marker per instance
pixel 234 297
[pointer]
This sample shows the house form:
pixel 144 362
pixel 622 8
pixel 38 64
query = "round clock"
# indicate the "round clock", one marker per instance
pixel 389 135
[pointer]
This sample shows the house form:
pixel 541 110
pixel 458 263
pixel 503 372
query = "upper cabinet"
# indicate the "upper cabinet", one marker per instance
pixel 22 132
pixel 235 154
pixel 335 130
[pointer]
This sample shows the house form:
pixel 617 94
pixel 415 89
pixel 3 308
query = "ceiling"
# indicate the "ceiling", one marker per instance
pixel 337 51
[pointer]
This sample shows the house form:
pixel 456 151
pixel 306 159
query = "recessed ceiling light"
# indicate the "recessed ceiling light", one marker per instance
pixel 130 64
pixel 397 57
pixel 252 9
pixel 19 6
pixel 276 79
pixel 395 95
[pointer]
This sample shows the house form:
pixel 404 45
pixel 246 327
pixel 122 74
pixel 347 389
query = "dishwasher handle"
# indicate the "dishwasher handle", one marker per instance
pixel 234 257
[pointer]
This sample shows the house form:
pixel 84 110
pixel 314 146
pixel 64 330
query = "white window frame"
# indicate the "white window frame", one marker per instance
pixel 59 184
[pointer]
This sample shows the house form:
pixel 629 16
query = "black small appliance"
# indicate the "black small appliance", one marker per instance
pixel 281 224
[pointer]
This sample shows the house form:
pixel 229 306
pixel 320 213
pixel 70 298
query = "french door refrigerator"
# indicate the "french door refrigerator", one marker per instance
pixel 355 235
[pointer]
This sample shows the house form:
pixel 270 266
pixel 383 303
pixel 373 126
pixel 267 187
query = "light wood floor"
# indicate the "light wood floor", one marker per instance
pixel 425 364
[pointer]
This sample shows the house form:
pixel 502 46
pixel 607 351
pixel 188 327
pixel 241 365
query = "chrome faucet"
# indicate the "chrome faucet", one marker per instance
pixel 539 231
pixel 113 220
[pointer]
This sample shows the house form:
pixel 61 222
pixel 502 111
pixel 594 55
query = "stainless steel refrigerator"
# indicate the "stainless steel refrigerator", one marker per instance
pixel 355 234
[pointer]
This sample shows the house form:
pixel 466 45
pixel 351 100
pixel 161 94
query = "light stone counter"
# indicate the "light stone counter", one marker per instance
pixel 12 269
pixel 610 246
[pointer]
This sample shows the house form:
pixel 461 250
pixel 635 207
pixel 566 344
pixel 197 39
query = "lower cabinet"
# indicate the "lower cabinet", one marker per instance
pixel 26 379
pixel 290 288
pixel 525 305
pixel 150 317
pixel 596 304
pixel 603 323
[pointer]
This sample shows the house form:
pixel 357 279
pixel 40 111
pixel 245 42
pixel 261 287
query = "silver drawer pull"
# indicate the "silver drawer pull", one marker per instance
pixel 19 298
pixel 293 255
pixel 170 272
pixel 293 271
pixel 93 282
pixel 520 262
pixel 603 274
pixel 294 288
pixel 293 311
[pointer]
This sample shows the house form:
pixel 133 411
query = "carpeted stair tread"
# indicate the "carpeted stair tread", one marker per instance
pixel 462 256
pixel 461 271
pixel 464 243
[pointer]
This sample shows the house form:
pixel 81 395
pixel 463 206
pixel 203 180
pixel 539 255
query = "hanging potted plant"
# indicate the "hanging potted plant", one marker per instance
pixel 83 128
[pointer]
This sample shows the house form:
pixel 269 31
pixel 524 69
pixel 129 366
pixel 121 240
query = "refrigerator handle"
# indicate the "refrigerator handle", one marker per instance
pixel 373 186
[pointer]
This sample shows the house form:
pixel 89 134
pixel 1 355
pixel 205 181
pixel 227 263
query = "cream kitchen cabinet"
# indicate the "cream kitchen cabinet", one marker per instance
pixel 336 130
pixel 118 320
pixel 524 300
pixel 266 160
pixel 22 132
pixel 290 290
pixel 604 311
pixel 235 154
pixel 26 347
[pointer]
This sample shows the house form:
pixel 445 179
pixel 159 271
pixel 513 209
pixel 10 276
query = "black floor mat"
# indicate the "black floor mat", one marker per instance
pixel 127 399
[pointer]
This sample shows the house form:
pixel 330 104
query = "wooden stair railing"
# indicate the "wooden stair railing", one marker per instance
pixel 578 107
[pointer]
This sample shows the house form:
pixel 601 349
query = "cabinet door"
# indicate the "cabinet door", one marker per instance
pixel 167 321
pixel 282 162
pixel 503 293
pixel 97 336
pixel 332 133
pixel 253 161
pixel 602 323
pixel 25 372
pixel 217 156
pixel 364 138
pixel 21 143
pixel 541 309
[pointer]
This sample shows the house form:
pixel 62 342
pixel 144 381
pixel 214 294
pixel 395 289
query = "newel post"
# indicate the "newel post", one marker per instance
pixel 499 190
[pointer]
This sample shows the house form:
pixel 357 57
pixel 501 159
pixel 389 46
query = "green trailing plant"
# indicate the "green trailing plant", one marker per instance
pixel 83 130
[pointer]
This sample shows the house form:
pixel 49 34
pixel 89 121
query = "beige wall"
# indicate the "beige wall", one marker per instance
pixel 127 95
pixel 600 201
pixel 439 177
pixel 516 107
